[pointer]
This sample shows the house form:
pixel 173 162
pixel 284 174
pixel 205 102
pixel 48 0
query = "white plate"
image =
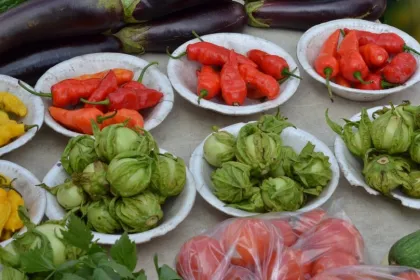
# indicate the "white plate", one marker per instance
pixel 175 209
pixel 92 63
pixel 182 73
pixel 295 138
pixel 34 197
pixel 312 40
pixel 35 112
pixel 352 168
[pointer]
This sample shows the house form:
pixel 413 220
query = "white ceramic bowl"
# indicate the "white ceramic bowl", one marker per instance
pixel 25 183
pixel 35 111
pixel 312 40
pixel 93 63
pixel 352 168
pixel 295 138
pixel 182 74
pixel 175 209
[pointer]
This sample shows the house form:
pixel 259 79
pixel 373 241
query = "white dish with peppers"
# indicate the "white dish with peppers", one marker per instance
pixel 311 42
pixel 187 74
pixel 99 62
pixel 288 187
pixel 375 172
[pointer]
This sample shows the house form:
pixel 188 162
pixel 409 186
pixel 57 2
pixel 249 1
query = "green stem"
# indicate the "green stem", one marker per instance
pixel 342 32
pixel 328 72
pixel 197 36
pixel 203 94
pixel 407 48
pixel 28 127
pixel 286 72
pixel 140 80
pixel 251 8
pixel 385 84
pixel 103 102
pixel 281 81
pixel 101 119
pixel 358 76
pixel 175 57
pixel 42 94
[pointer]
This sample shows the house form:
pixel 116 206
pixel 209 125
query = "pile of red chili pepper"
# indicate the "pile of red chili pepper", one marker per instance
pixel 234 77
pixel 365 60
pixel 106 97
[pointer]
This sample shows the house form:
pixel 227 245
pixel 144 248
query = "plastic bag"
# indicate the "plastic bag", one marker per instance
pixel 273 247
pixel 370 273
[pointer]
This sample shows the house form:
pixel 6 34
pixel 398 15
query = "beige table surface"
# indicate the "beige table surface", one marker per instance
pixel 381 221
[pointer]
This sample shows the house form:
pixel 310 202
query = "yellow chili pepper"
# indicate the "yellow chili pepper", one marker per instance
pixel 4 117
pixel 5 210
pixel 11 130
pixel 14 223
pixel 12 104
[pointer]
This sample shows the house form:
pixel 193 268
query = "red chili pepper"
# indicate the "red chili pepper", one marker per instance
pixel 374 55
pixel 76 120
pixel 139 83
pixel 400 69
pixel 129 98
pixel 68 92
pixel 256 56
pixel 349 44
pixel 353 67
pixel 391 42
pixel 326 64
pixel 231 82
pixel 132 117
pixel 123 75
pixel 208 85
pixel 264 83
pixel 377 83
pixel 108 85
pixel 210 54
pixel 339 80
pixel 254 93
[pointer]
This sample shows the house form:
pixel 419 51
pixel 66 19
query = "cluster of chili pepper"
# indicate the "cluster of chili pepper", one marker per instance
pixel 107 98
pixel 234 76
pixel 365 60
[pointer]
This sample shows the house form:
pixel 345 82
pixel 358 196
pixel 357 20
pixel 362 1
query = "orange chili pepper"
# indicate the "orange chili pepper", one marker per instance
pixel 208 85
pixel 231 82
pixel 374 55
pixel 326 64
pixel 123 75
pixel 264 83
pixel 76 120
pixel 132 117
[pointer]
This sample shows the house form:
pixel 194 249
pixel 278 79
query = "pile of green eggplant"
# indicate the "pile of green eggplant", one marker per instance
pixel 303 14
pixel 38 34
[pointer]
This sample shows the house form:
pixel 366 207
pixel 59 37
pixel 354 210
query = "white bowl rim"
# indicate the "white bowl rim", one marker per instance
pixel 39 120
pixel 290 89
pixel 203 189
pixel 308 35
pixel 42 202
pixel 340 147
pixel 169 98
pixel 142 237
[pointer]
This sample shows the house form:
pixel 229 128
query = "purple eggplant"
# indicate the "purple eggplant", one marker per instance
pixel 302 15
pixel 175 29
pixel 29 64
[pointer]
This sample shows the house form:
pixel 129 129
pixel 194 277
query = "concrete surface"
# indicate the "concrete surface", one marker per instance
pixel 380 220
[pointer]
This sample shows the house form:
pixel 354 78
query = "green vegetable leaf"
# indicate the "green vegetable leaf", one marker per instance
pixel 67 265
pixel 24 217
pixel 9 273
pixel 77 234
pixel 39 259
pixel 333 125
pixel 70 276
pixel 124 252
pixel 141 275
pixel 165 272
pixel 100 274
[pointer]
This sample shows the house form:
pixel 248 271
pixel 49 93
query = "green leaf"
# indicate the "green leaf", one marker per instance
pixel 24 217
pixel 95 248
pixel 124 252
pixel 67 265
pixel 118 268
pixel 70 276
pixel 9 273
pixel 333 125
pixel 100 274
pixel 165 272
pixel 39 259
pixel 77 234
pixel 141 275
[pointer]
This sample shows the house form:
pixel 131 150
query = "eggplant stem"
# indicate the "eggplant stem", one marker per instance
pixel 252 7
pixel 140 80
pixel 174 57
pixel 101 119
pixel 42 94
pixel 103 102
pixel 407 48
pixel 203 94
pixel 197 36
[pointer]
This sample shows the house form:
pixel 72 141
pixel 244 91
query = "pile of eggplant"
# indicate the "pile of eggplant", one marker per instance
pixel 38 34
pixel 303 14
